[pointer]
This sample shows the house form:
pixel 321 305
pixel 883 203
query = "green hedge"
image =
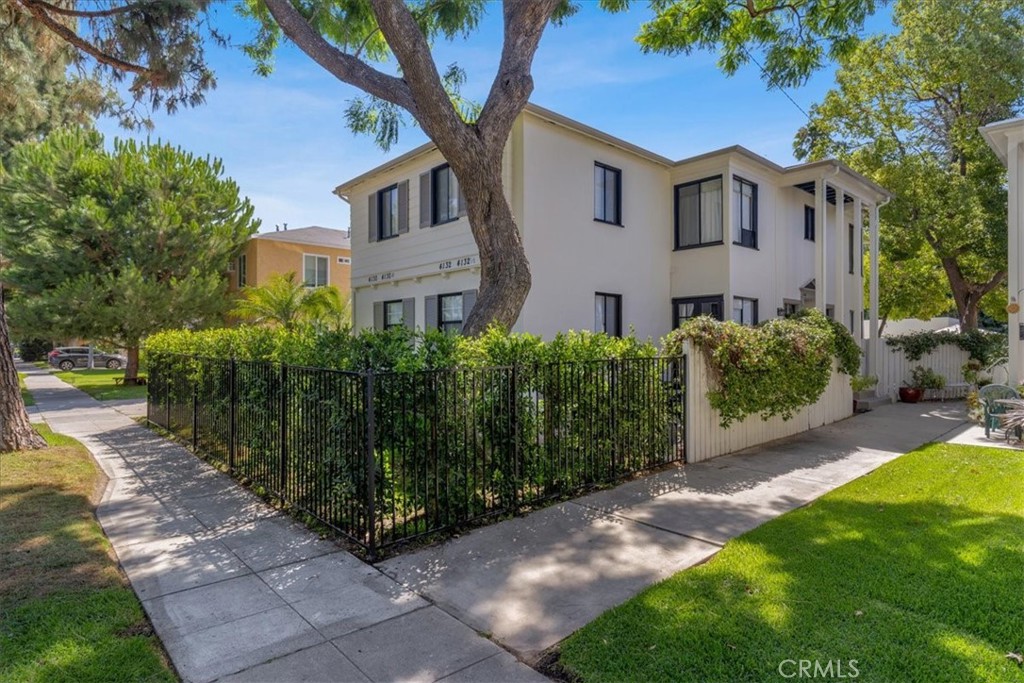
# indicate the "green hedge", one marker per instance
pixel 776 368
pixel 985 347
pixel 397 349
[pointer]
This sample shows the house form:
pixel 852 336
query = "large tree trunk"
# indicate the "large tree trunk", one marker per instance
pixel 966 294
pixel 504 271
pixel 131 371
pixel 16 432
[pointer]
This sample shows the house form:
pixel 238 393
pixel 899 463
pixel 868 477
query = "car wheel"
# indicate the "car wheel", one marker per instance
pixel 113 364
pixel 66 365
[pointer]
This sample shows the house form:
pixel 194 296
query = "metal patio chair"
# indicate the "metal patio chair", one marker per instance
pixel 991 396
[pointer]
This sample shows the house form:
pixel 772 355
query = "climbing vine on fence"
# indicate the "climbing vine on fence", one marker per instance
pixel 985 347
pixel 774 369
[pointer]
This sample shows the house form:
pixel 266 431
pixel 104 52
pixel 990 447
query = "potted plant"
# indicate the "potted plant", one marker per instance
pixel 921 379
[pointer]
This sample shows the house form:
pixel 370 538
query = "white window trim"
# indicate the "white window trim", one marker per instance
pixel 323 256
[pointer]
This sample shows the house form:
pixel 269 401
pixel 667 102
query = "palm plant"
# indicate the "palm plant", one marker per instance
pixel 285 301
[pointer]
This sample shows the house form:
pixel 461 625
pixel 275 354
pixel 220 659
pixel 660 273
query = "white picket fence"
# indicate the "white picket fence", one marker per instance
pixel 707 439
pixel 947 360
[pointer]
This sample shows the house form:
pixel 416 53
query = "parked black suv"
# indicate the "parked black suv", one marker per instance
pixel 71 357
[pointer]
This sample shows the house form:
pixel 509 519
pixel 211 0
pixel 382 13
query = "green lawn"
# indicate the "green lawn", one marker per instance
pixel 68 612
pixel 25 396
pixel 100 384
pixel 916 571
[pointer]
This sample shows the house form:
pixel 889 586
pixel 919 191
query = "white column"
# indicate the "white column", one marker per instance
pixel 841 247
pixel 820 210
pixel 1013 275
pixel 858 267
pixel 873 342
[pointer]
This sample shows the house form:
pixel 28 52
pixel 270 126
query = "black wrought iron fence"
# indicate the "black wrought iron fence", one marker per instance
pixel 386 457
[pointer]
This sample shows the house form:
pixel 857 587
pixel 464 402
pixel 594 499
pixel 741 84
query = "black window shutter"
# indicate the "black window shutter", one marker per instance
pixel 403 207
pixel 378 315
pixel 409 313
pixel 468 302
pixel 430 312
pixel 426 199
pixel 462 197
pixel 371 217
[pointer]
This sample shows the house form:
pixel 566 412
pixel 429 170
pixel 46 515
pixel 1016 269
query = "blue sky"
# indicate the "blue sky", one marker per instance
pixel 284 140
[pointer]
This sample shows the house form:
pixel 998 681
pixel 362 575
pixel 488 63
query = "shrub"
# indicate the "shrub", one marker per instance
pixel 863 382
pixel 925 378
pixel 774 369
pixel 32 350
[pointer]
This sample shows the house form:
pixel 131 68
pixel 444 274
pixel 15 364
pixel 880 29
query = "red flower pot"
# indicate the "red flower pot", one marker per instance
pixel 909 395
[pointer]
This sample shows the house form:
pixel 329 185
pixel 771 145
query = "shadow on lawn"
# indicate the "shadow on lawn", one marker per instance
pixel 912 591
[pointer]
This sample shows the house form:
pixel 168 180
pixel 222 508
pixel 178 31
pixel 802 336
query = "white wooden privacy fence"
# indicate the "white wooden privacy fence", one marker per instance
pixel 706 438
pixel 947 360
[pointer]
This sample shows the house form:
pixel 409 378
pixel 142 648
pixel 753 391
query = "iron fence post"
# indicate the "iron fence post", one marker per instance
pixel 195 414
pixel 232 416
pixel 516 451
pixel 167 396
pixel 371 467
pixel 283 431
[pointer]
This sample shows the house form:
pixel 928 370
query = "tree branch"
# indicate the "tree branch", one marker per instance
pixel 341 65
pixel 525 21
pixel 438 117
pixel 38 10
pixel 90 14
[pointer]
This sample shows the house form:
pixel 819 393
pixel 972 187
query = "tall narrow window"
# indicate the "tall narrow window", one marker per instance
pixel 242 273
pixel 851 251
pixel 449 312
pixel 607 194
pixel 314 270
pixel 608 313
pixel 394 312
pixel 744 213
pixel 445 188
pixel 387 212
pixel 699 213
pixel 744 311
pixel 809 223
pixel 690 307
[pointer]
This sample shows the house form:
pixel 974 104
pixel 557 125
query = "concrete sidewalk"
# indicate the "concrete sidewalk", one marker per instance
pixel 235 590
pixel 532 581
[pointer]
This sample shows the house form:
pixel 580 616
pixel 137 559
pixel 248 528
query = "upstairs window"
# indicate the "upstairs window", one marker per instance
pixel 387 213
pixel 449 312
pixel 809 223
pixel 445 200
pixel 699 213
pixel 607 194
pixel 744 311
pixel 314 269
pixel 744 213
pixel 608 313
pixel 851 249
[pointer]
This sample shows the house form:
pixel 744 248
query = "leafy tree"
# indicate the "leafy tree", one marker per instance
pixel 909 287
pixel 906 113
pixel 383 47
pixel 117 245
pixel 37 94
pixel 284 301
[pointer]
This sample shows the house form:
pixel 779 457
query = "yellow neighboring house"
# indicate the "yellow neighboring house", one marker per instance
pixel 320 256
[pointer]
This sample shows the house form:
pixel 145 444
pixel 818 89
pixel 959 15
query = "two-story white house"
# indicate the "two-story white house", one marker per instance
pixel 617 236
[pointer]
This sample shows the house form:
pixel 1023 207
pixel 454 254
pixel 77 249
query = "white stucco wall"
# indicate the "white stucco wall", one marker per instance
pixel 571 255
